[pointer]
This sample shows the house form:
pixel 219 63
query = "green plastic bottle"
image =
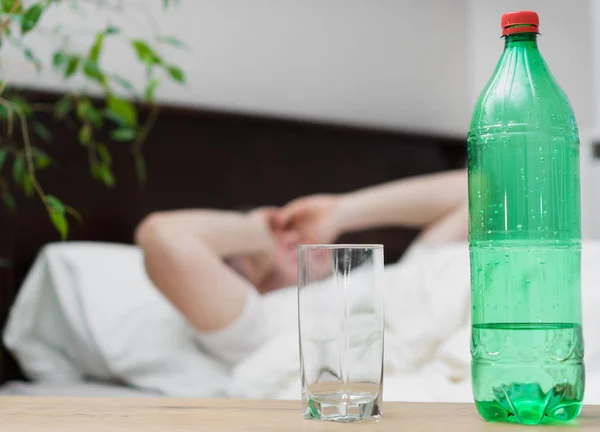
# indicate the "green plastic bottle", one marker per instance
pixel 525 239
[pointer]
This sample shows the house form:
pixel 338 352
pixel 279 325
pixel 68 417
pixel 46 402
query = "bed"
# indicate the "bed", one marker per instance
pixel 206 158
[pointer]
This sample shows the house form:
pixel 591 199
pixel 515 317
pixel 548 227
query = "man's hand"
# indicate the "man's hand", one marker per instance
pixel 264 219
pixel 275 266
pixel 317 219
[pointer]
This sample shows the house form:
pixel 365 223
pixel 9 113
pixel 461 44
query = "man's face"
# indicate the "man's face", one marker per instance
pixel 282 270
pixel 286 262
pixel 286 258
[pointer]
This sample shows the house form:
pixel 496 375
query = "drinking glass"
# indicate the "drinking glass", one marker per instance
pixel 341 322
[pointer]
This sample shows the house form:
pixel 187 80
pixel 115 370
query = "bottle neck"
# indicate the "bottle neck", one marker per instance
pixel 521 40
pixel 521 51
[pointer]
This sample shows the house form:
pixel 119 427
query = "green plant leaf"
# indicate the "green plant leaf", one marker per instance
pixel 93 72
pixel 87 112
pixel 151 88
pixel 122 109
pixel 3 156
pixel 112 30
pixel 94 116
pixel 140 168
pixel 5 110
pixel 27 53
pixel 40 159
pixel 55 204
pixel 145 53
pixel 96 48
pixel 168 3
pixel 170 40
pixel 32 58
pixel 74 4
pixel 59 58
pixel 59 220
pixel 43 162
pixel 123 83
pixel 103 173
pixel 8 5
pixel 63 107
pixel 114 117
pixel 22 105
pixel 74 213
pixel 16 105
pixel 83 107
pixel 9 200
pixel 85 134
pixel 95 171
pixel 57 212
pixel 31 17
pixel 104 153
pixel 176 74
pixel 28 185
pixel 42 131
pixel 123 134
pixel 72 66
pixel 19 170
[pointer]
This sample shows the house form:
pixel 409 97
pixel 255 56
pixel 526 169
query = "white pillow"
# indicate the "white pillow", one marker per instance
pixel 88 310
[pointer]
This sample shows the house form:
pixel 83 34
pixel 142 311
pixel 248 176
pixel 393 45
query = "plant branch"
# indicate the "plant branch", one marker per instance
pixel 26 150
pixel 69 61
pixel 143 135
pixel 9 115
pixel 29 158
pixel 4 24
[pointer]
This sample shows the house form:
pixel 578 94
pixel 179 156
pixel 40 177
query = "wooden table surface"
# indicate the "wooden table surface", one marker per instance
pixel 34 414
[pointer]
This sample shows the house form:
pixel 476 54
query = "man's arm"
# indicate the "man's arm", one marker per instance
pixel 415 202
pixel 227 233
pixel 437 203
pixel 183 254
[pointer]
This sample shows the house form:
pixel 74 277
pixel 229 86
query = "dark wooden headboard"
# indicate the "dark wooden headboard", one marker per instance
pixel 202 158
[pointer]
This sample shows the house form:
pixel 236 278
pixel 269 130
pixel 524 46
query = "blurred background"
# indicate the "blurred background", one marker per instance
pixel 399 66
pixel 269 100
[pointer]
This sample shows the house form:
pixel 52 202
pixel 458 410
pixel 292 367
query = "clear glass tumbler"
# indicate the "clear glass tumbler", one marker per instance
pixel 341 322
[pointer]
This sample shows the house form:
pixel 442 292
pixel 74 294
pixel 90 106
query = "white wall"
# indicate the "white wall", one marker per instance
pixel 402 64
pixel 590 165
pixel 397 64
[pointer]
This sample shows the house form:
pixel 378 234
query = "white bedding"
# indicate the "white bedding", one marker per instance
pixel 88 311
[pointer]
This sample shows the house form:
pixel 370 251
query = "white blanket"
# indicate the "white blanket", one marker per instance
pixel 87 310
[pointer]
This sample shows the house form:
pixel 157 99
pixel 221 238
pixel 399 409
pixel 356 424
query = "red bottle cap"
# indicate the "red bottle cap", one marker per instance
pixel 526 22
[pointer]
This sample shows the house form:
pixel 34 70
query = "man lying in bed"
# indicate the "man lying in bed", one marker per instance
pixel 213 265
